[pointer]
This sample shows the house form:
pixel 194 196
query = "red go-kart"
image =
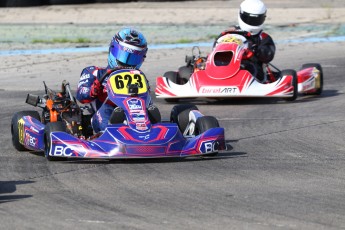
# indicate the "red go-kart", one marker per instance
pixel 228 72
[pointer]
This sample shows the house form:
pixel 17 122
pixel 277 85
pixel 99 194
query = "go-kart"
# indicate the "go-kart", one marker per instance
pixel 229 72
pixel 135 129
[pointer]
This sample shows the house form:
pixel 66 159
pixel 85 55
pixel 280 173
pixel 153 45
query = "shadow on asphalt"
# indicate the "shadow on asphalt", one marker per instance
pixel 11 187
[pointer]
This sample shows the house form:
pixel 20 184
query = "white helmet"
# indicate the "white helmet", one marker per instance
pixel 251 16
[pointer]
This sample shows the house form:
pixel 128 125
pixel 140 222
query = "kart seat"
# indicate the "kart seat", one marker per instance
pixel 223 58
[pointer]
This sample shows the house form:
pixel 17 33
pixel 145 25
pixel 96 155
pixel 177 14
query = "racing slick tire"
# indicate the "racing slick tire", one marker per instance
pixel 154 114
pixel 318 67
pixel 294 83
pixel 180 115
pixel 205 123
pixel 117 116
pixel 184 73
pixel 15 127
pixel 49 128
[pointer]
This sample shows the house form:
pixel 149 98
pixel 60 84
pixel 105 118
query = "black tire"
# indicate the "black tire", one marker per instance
pixel 294 83
pixel 172 76
pixel 154 114
pixel 49 128
pixel 184 73
pixel 180 115
pixel 318 67
pixel 205 123
pixel 15 128
pixel 118 116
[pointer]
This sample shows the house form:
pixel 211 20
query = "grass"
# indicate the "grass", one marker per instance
pixel 186 41
pixel 61 40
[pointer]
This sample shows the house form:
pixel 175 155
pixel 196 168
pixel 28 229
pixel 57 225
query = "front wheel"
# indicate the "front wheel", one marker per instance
pixel 205 123
pixel 17 129
pixel 52 127
pixel 180 115
pixel 319 81
pixel 293 73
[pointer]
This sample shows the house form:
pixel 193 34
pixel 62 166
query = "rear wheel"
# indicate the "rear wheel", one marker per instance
pixel 294 83
pixel 319 83
pixel 52 127
pixel 17 131
pixel 180 115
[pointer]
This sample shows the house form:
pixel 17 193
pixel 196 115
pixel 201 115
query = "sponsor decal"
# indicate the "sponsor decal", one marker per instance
pixel 145 137
pixel 141 126
pixel 67 151
pixel 209 146
pixel 21 123
pixel 34 129
pixel 84 77
pixel 229 90
pixel 62 151
pixel 220 90
pixel 82 82
pixel 140 116
pixel 129 50
pixel 85 90
pixel 134 72
pixel 99 116
pixel 134 104
pixel 30 140
pixel 309 85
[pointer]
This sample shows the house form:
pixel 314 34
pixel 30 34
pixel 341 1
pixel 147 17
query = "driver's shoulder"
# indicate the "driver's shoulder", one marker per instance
pixel 94 70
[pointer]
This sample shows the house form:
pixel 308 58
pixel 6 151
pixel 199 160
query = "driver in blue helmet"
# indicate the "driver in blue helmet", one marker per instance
pixel 127 49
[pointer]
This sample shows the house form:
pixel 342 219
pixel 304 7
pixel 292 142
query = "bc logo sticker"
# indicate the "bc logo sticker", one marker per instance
pixel 62 151
pixel 209 146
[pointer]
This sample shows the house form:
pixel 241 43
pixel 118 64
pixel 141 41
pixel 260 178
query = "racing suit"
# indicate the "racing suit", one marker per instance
pixel 103 110
pixel 262 46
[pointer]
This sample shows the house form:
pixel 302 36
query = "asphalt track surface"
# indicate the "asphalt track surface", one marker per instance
pixel 284 169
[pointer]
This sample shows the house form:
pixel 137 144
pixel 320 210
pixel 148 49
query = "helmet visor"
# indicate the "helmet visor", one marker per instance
pixel 127 55
pixel 253 19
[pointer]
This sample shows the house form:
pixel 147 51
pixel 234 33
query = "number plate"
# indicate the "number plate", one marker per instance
pixel 119 82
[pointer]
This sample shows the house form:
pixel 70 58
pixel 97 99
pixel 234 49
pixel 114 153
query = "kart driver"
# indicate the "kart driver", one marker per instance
pixel 127 49
pixel 251 18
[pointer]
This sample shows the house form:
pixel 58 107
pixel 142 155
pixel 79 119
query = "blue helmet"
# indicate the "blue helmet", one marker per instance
pixel 127 49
